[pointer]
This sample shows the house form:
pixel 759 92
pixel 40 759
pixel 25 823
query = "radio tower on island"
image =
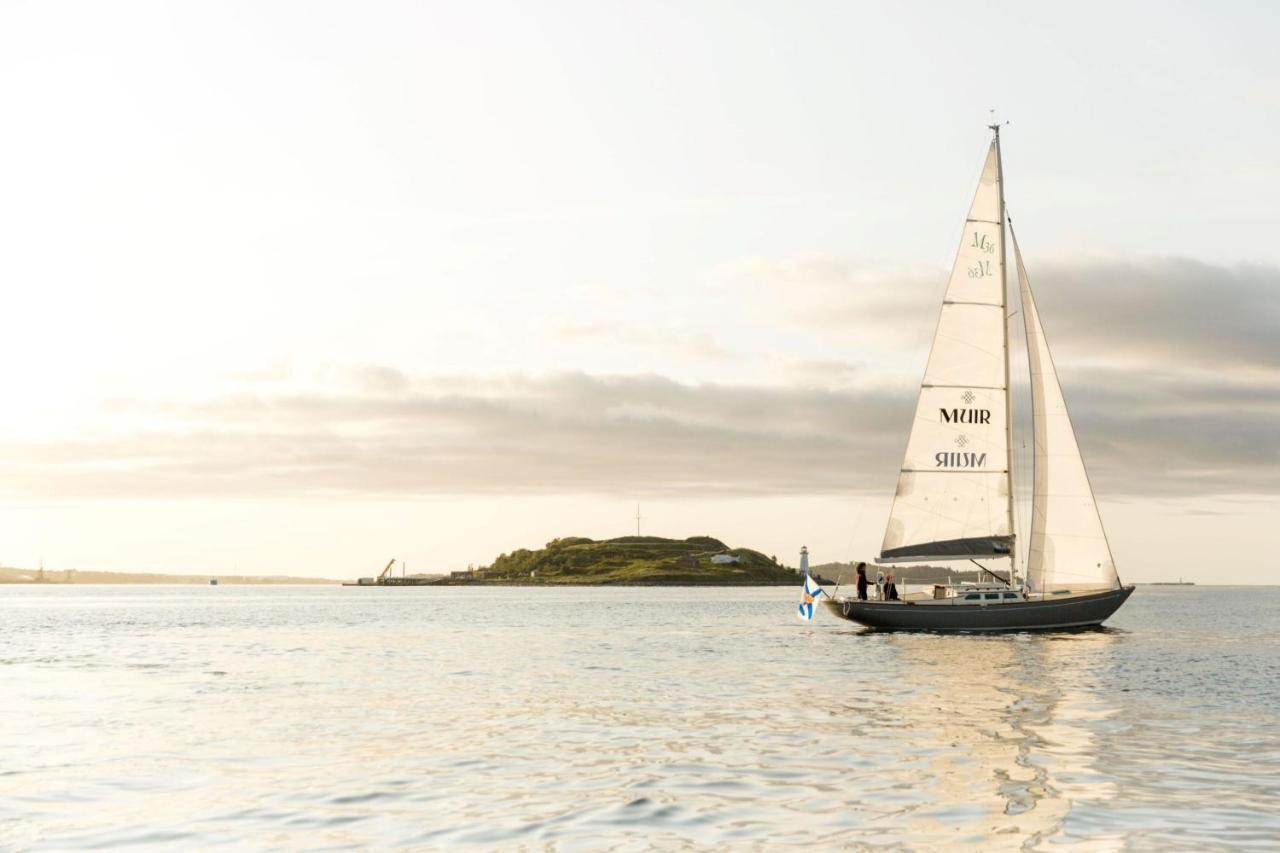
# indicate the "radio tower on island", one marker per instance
pixel 637 519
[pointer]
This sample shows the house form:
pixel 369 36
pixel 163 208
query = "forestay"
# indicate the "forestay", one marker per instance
pixel 953 499
pixel 1068 547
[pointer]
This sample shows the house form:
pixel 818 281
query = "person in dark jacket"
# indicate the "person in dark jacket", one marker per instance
pixel 862 581
pixel 890 588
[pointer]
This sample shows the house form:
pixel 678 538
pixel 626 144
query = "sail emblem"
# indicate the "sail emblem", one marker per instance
pixel 961 440
pixel 968 397
pixel 965 416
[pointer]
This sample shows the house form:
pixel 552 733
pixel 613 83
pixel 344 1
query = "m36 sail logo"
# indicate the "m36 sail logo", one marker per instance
pixel 951 459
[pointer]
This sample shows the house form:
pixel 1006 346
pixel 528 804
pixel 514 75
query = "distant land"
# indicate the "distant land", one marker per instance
pixel 632 560
pixel 844 573
pixel 77 576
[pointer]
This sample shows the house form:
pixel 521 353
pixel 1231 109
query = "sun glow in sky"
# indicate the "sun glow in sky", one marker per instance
pixel 296 287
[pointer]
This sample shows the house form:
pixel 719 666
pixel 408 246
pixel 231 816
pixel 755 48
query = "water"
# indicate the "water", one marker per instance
pixel 296 717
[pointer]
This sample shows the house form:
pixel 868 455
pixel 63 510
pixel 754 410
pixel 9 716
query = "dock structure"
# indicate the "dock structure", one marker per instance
pixel 385 578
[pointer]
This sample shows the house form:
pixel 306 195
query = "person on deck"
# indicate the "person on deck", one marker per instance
pixel 862 581
pixel 890 588
pixel 879 586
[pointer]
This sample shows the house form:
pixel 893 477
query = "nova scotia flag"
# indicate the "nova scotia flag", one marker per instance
pixel 808 598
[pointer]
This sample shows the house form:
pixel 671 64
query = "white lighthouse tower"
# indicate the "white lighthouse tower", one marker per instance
pixel 804 559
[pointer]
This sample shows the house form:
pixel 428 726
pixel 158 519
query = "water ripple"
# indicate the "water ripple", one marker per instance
pixel 624 719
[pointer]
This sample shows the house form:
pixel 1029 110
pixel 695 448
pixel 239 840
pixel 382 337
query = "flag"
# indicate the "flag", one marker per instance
pixel 808 597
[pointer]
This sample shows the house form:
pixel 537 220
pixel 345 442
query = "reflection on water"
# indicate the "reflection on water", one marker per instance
pixel 973 709
pixel 1070 731
pixel 627 718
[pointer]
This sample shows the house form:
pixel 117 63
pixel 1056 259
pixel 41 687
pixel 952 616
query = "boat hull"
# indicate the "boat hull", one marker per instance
pixel 1050 614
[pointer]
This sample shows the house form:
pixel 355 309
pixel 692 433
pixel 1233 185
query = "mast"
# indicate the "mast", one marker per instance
pixel 1008 388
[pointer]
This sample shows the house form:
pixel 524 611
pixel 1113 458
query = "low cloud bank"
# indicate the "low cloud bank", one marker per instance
pixel 628 435
pixel 1171 366
pixel 1171 312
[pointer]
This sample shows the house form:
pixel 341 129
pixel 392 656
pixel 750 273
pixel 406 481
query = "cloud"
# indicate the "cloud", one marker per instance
pixel 632 435
pixel 1170 435
pixel 569 432
pixel 886 303
pixel 1172 313
pixel 673 337
pixel 1171 368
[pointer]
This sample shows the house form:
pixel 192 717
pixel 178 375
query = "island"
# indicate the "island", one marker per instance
pixel 631 560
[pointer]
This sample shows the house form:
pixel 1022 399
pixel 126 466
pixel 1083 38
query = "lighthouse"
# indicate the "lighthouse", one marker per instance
pixel 804 559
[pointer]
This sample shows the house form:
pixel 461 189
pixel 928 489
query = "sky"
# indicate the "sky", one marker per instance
pixel 293 288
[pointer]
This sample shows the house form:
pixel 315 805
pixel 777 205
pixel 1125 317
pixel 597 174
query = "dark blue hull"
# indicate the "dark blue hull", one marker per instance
pixel 1049 614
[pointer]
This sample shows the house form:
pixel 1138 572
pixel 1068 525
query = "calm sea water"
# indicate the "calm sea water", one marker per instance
pixel 288 717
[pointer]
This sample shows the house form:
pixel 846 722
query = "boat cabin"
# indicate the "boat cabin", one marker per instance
pixel 969 593
pixel 990 597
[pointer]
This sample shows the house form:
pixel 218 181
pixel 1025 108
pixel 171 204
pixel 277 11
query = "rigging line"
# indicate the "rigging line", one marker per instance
pixel 857 525
pixel 993 574
pixel 1019 519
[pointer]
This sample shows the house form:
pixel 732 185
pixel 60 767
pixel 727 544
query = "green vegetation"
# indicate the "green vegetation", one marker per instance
pixel 649 560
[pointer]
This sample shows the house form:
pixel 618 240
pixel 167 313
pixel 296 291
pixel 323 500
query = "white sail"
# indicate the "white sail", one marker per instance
pixel 1068 547
pixel 954 499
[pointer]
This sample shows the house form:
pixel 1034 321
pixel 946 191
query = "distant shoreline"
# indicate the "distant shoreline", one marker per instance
pixel 76 577
pixel 556 584
pixel 181 580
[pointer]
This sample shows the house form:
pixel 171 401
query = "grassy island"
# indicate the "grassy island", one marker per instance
pixel 641 560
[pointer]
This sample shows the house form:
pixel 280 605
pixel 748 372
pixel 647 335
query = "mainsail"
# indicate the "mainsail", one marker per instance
pixel 954 499
pixel 1068 545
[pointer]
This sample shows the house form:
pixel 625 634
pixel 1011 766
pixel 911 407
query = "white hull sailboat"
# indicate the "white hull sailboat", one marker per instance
pixel 955 496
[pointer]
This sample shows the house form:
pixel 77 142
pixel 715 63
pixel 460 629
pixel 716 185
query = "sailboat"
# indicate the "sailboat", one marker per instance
pixel 955 495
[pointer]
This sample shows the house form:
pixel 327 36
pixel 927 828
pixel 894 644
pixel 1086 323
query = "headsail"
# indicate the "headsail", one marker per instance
pixel 954 499
pixel 1068 545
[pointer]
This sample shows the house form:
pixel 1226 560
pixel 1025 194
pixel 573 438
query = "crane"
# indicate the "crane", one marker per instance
pixel 382 578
